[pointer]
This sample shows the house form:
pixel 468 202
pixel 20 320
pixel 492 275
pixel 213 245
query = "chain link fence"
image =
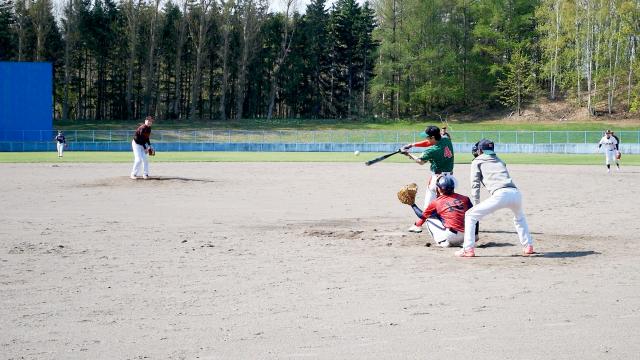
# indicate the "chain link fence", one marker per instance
pixel 320 136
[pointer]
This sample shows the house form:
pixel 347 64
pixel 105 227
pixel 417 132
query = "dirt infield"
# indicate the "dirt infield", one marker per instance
pixel 290 261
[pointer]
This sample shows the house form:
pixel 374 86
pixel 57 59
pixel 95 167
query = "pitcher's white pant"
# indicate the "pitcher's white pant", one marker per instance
pixel 139 156
pixel 443 236
pixel 610 157
pixel 501 198
pixel 60 148
pixel 431 194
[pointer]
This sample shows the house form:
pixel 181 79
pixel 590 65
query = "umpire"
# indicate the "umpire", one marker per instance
pixel 489 170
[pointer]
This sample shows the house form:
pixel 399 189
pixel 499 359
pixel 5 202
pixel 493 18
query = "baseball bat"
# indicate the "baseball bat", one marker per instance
pixel 380 158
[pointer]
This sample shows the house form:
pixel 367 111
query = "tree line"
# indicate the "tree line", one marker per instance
pixel 233 59
pixel 196 59
pixel 441 55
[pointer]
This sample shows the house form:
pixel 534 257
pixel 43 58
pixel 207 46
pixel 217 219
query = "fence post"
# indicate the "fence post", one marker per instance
pixel 517 143
pixel 585 137
pixel 228 136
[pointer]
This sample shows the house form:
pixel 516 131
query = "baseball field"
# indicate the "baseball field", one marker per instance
pixel 266 260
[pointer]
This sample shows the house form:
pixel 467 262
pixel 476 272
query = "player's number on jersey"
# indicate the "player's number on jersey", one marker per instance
pixel 447 153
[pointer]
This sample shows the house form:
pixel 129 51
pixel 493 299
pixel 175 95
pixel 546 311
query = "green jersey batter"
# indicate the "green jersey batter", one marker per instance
pixel 440 155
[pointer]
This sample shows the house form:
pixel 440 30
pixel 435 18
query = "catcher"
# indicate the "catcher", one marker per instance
pixel 444 216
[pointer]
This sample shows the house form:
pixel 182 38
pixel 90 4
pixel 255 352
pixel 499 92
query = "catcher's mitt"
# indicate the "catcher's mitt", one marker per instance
pixel 618 155
pixel 151 151
pixel 407 195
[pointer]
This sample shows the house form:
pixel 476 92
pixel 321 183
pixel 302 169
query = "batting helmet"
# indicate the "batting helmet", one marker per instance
pixel 445 184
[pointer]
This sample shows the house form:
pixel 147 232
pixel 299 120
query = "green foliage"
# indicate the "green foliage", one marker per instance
pixel 518 84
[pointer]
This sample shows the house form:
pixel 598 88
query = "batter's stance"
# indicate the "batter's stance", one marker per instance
pixel 610 149
pixel 489 170
pixel 440 153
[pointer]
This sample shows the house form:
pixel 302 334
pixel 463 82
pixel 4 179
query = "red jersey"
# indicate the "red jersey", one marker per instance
pixel 451 209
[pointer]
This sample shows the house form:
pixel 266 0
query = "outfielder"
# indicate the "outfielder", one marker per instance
pixel 611 151
pixel 489 170
pixel 141 145
pixel 61 143
pixel 440 153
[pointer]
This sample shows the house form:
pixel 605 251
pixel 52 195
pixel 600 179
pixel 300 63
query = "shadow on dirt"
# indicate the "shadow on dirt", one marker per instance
pixel 568 254
pixel 494 244
pixel 506 232
pixel 175 178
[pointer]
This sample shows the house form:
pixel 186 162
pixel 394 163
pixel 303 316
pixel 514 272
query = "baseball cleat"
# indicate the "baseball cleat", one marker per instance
pixel 528 250
pixel 465 253
pixel 133 177
pixel 415 229
pixel 145 177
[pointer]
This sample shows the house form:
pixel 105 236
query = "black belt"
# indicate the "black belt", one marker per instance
pixel 453 231
pixel 440 172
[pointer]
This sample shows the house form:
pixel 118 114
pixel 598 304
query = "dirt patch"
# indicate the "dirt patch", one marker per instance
pixel 291 260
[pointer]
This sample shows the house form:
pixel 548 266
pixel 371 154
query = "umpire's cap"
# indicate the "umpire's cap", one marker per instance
pixel 486 146
pixel 446 184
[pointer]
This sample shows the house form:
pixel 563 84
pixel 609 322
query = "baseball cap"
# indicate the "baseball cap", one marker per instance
pixel 430 131
pixel 487 146
pixel 608 132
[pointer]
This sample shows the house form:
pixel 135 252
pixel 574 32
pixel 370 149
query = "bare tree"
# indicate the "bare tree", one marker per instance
pixel 70 28
pixel 557 6
pixel 227 24
pixel 132 13
pixel 285 45
pixel 22 21
pixel 251 17
pixel 40 16
pixel 148 88
pixel 198 29
pixel 182 35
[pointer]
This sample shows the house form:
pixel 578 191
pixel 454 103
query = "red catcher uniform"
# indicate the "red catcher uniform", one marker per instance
pixel 445 219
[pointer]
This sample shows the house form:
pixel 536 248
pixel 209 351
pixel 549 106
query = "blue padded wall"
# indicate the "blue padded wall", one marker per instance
pixel 26 101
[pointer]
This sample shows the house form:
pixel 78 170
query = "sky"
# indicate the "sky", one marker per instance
pixel 276 5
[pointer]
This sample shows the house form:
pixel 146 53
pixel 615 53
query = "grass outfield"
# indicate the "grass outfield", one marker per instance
pixel 116 157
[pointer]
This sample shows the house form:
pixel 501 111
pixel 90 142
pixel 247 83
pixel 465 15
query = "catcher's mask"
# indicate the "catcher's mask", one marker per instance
pixel 474 150
pixel 446 184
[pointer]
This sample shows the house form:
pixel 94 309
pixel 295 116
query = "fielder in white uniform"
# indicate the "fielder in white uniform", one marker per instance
pixel 61 143
pixel 610 149
pixel 489 170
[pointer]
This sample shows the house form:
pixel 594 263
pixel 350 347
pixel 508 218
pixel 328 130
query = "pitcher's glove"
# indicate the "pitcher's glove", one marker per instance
pixel 407 195
pixel 618 155
pixel 151 151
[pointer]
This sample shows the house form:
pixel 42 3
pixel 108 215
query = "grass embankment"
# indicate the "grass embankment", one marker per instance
pixel 119 157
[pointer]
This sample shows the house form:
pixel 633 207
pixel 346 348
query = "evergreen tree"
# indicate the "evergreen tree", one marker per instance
pixel 518 84
pixel 7 20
